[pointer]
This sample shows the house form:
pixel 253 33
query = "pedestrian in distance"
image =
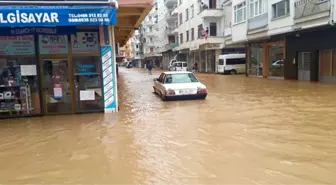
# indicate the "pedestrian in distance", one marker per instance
pixel 150 67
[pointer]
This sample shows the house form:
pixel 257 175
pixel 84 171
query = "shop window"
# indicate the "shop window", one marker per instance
pixel 276 60
pixel 240 13
pixel 280 9
pixel 88 84
pixel 256 54
pixel 19 90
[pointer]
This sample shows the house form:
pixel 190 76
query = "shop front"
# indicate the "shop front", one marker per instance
pixel 266 59
pixel 56 60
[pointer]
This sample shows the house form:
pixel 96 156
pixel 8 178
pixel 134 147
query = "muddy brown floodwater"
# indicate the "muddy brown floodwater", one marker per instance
pixel 248 131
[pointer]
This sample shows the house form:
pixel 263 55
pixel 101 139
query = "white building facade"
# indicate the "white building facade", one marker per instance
pixel 196 28
pixel 286 39
pixel 137 49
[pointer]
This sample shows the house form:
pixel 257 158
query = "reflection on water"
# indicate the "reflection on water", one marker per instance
pixel 248 131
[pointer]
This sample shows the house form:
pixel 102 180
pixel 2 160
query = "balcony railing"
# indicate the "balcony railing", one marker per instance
pixel 212 11
pixel 170 3
pixel 210 34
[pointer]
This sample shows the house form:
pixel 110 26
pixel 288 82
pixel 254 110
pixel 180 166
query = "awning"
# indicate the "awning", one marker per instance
pixel 32 16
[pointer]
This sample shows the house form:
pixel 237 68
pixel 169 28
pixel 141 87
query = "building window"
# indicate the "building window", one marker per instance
pixel 151 39
pixel 150 18
pixel 213 29
pixel 192 34
pixel 256 8
pixel 181 38
pixel 280 9
pixel 137 46
pixel 150 29
pixel 199 31
pixel 187 36
pixel 192 11
pixel 187 14
pixel 240 13
pixel 180 19
pixel 180 2
pixel 151 50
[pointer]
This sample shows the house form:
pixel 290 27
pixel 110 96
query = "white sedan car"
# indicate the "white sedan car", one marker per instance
pixel 175 85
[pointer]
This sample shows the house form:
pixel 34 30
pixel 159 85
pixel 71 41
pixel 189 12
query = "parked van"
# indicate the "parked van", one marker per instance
pixel 179 66
pixel 231 64
pixel 178 63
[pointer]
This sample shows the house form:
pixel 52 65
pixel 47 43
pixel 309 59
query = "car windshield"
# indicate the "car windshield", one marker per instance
pixel 180 78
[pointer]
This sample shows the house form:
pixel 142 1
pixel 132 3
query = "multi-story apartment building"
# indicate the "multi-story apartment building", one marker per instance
pixel 149 34
pixel 286 39
pixel 137 49
pixel 196 28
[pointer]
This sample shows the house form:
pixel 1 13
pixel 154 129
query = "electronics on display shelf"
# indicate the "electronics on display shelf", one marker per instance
pixel 15 95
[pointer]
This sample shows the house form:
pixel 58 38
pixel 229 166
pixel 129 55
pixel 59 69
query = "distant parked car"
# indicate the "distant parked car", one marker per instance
pixel 176 85
pixel 129 65
pixel 278 63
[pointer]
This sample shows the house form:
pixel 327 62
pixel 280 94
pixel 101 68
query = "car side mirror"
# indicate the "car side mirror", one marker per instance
pixel 155 79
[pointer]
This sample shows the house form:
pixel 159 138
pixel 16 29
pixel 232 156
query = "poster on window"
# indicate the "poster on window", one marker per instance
pixel 17 45
pixel 53 44
pixel 85 42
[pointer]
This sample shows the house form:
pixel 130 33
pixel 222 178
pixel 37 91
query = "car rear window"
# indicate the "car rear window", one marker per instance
pixel 180 78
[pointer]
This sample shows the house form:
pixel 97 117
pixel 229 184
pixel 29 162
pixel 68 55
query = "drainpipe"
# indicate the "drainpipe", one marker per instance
pixel 331 21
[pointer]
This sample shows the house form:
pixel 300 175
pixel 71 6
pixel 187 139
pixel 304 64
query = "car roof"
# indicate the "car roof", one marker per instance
pixel 176 72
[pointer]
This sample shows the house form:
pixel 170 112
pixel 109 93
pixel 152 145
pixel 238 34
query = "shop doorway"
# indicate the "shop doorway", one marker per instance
pixel 56 83
pixel 304 62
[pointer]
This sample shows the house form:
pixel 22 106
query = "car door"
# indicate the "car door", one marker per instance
pixel 159 83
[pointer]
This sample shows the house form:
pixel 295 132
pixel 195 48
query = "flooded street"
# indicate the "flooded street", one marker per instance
pixel 247 131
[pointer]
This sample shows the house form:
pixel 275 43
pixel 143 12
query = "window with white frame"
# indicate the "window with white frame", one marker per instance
pixel 280 9
pixel 240 13
pixel 187 14
pixel 256 8
pixel 192 11
pixel 180 19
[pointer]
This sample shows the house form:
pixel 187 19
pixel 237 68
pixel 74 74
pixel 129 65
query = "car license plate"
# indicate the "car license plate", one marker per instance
pixel 184 92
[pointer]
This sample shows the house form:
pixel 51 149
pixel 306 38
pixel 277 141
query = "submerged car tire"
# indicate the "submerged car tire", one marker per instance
pixel 163 97
pixel 233 72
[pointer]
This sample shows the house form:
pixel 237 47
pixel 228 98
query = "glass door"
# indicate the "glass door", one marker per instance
pixel 56 86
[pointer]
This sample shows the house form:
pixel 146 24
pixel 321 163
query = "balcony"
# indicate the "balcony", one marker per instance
pixel 170 46
pixel 169 31
pixel 150 33
pixel 170 3
pixel 150 44
pixel 208 12
pixel 174 11
pixel 217 38
pixel 149 23
pixel 259 21
pixel 171 18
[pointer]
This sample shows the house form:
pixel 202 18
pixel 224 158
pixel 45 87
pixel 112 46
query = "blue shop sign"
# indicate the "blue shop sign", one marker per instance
pixel 32 16
pixel 21 31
